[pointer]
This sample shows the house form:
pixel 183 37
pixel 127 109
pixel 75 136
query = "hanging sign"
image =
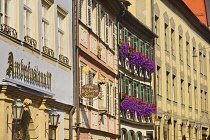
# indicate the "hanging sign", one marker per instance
pixel 90 91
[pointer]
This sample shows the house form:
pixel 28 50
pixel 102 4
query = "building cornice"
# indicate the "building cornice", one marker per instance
pixel 190 16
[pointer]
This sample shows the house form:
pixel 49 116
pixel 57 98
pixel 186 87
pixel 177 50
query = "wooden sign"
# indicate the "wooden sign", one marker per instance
pixel 90 91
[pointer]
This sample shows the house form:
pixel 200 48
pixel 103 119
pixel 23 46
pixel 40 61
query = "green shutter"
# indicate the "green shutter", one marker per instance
pixel 125 33
pixel 121 137
pixel 146 50
pixel 142 92
pixel 141 46
pixel 134 42
pixel 129 135
pixel 136 136
pixel 151 53
pixel 120 85
pixel 134 89
pixel 148 94
pixel 126 82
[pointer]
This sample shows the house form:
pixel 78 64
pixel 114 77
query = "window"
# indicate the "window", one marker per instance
pixel 141 46
pixel 189 95
pixel 202 103
pixel 172 42
pixel 134 89
pixel 205 102
pixel 45 26
pixel 27 18
pixel 107 31
pixel 61 34
pixel 204 65
pixel 125 35
pixel 102 25
pixel 138 136
pixel 124 135
pixel 168 85
pixel 95 16
pixel 166 37
pixel 180 48
pixel 5 13
pixel 182 92
pixel 196 97
pixel 157 29
pixel 188 53
pixel 158 80
pixel 174 94
pixel 201 62
pixel 194 60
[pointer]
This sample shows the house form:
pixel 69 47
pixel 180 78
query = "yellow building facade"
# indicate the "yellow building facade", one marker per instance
pixel 182 73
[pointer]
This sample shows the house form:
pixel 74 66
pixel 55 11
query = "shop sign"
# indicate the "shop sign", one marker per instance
pixel 24 72
pixel 90 91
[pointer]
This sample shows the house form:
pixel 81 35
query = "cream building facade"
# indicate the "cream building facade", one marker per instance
pixel 36 59
pixel 181 80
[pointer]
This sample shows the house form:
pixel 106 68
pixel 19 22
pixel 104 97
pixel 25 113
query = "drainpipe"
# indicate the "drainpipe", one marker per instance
pixel 71 112
pixel 153 44
pixel 76 66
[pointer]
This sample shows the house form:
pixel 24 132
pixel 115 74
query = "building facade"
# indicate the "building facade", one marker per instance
pixel 181 79
pixel 135 40
pixel 36 75
pixel 96 116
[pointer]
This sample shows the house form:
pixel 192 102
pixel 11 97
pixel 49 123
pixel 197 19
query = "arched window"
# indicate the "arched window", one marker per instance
pixel 124 135
pixel 138 135
pixel 131 135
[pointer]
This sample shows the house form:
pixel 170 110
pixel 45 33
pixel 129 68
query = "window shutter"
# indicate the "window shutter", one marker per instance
pixel 126 86
pixel 114 35
pixel 134 42
pixel 148 94
pixel 80 9
pixel 107 28
pixel 118 33
pixel 140 46
pixel 136 136
pixel 89 12
pixel 125 33
pixel 129 135
pixel 90 81
pixel 99 20
pixel 107 96
pixel 145 50
pixel 134 89
pixel 142 92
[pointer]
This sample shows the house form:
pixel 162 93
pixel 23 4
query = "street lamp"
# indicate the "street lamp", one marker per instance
pixel 54 117
pixel 17 110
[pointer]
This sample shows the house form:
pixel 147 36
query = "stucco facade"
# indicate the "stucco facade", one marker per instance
pixel 36 67
pixel 181 83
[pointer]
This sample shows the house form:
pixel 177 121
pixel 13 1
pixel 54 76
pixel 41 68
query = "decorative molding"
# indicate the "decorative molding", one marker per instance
pixel 204 50
pixel 187 37
pixel 158 61
pixel 205 88
pixel 180 30
pixel 61 11
pixel 63 59
pixel 193 42
pixel 195 82
pixel 174 71
pixel 168 67
pixel 172 23
pixel 48 51
pixel 182 75
pixel 189 79
pixel 200 47
pixel 166 18
pixel 29 40
pixel 47 3
pixel 156 10
pixel 8 30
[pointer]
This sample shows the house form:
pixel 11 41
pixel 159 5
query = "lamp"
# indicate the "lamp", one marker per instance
pixel 17 110
pixel 54 117
pixel 101 79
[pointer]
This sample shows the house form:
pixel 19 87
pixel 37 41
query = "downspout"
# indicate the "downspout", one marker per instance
pixel 153 44
pixel 74 24
pixel 76 50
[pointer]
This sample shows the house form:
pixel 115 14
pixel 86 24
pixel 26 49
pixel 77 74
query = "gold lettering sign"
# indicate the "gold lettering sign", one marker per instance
pixel 27 74
pixel 90 91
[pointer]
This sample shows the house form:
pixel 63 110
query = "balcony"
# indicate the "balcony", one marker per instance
pixel 134 117
pixel 48 51
pixel 64 59
pixel 8 30
pixel 29 40
pixel 135 62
